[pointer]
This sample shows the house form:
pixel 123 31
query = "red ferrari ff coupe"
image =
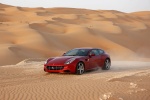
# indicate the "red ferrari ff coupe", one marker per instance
pixel 78 61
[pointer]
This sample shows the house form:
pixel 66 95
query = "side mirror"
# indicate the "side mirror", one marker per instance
pixel 64 54
pixel 90 55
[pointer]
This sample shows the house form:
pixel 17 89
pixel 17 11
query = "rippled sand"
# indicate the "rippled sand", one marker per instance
pixel 126 80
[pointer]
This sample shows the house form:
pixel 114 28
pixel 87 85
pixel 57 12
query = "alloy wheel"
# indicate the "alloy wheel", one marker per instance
pixel 80 68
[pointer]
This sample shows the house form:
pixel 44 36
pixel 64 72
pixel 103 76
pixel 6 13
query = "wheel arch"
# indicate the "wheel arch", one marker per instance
pixel 79 62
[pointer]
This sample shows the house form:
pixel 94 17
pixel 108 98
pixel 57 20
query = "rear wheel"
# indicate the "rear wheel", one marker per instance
pixel 106 65
pixel 80 68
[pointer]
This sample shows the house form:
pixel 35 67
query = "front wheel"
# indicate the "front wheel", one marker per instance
pixel 80 68
pixel 106 65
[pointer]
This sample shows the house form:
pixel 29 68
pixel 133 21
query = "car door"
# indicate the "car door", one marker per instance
pixel 93 59
pixel 100 60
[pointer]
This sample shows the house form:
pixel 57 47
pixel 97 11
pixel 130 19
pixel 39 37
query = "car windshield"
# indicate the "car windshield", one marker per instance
pixel 77 52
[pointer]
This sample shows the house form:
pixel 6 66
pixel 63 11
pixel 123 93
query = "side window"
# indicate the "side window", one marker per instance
pixel 91 52
pixel 95 52
pixel 100 51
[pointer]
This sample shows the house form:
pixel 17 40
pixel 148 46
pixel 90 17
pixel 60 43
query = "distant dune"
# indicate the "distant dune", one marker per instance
pixel 45 32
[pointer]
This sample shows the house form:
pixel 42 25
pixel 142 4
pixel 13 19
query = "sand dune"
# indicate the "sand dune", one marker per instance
pixel 52 31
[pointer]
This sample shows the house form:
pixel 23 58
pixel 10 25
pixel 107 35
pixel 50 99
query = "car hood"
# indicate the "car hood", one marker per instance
pixel 61 60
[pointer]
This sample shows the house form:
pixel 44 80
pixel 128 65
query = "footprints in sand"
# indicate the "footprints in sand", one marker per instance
pixel 110 96
pixel 133 85
pixel 134 88
pixel 105 96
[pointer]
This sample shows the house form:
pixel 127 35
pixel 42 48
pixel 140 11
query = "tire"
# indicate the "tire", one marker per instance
pixel 80 68
pixel 106 65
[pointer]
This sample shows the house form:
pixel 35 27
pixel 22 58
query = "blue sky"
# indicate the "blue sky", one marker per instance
pixel 120 5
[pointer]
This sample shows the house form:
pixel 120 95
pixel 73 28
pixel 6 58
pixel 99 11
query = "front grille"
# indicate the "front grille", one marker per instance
pixel 55 67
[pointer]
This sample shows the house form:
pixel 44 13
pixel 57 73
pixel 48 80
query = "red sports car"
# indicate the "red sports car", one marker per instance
pixel 78 60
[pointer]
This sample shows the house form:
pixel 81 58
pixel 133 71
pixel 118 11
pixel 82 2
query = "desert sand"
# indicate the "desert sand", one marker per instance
pixel 126 80
pixel 31 35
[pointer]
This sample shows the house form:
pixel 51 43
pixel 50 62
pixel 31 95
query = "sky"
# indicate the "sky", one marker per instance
pixel 120 5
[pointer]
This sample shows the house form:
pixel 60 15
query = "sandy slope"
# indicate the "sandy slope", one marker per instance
pixel 44 32
pixel 125 81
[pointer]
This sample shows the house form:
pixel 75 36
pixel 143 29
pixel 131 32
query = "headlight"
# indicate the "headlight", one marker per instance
pixel 70 61
pixel 46 61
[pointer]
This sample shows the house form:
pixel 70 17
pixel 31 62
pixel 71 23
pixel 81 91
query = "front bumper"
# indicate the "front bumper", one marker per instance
pixel 70 68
